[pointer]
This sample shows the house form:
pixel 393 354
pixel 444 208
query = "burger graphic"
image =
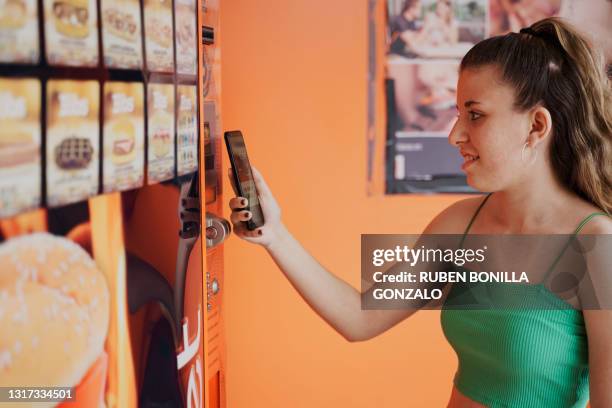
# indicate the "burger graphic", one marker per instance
pixel 123 135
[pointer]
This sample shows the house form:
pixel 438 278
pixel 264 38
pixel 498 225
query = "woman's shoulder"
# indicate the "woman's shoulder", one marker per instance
pixel 455 218
pixel 595 221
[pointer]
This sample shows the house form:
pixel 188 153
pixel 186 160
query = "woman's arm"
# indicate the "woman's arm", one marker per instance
pixel 337 302
pixel 599 322
pixel 599 333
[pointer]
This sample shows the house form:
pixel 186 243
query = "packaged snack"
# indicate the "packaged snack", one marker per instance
pixel 20 163
pixel 123 136
pixel 160 156
pixel 72 141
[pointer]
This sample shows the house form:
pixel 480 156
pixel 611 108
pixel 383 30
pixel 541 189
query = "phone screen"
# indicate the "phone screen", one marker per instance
pixel 243 177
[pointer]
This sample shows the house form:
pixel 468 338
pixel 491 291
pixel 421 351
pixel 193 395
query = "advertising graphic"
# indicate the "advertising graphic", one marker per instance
pixel 158 35
pixel 71 32
pixel 72 141
pixel 186 46
pixel 57 311
pixel 187 130
pixel 19 31
pixel 160 108
pixel 121 34
pixel 123 136
pixel 20 164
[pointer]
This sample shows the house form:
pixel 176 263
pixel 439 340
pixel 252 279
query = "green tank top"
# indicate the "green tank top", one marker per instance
pixel 515 358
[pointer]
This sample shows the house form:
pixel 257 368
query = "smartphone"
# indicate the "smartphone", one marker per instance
pixel 243 177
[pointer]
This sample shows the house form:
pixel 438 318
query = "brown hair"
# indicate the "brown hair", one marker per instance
pixel 551 64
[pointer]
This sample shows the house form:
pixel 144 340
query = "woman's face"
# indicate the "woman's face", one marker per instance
pixel 489 132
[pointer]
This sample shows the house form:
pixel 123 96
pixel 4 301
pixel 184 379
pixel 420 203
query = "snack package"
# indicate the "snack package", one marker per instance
pixel 187 129
pixel 20 163
pixel 123 136
pixel 186 46
pixel 160 156
pixel 19 31
pixel 159 43
pixel 72 149
pixel 121 34
pixel 71 32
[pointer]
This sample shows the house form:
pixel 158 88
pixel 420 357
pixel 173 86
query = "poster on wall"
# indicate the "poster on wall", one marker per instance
pixel 121 34
pixel 435 28
pixel 19 31
pixel 159 42
pixel 426 40
pixel 20 143
pixel 71 32
pixel 160 112
pixel 73 139
pixel 123 136
pixel 187 129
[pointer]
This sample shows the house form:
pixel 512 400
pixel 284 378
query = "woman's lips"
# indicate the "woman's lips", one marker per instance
pixel 468 160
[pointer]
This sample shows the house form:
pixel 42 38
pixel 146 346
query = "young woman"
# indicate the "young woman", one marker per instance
pixel 534 126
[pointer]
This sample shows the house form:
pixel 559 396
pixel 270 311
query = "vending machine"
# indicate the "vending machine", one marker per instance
pixel 111 220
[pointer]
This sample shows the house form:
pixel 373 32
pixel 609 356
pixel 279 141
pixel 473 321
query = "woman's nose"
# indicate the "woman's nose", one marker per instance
pixel 457 134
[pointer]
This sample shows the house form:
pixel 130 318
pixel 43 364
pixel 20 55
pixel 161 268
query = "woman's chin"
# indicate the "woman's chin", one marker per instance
pixel 476 184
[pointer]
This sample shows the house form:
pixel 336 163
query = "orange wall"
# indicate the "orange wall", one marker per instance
pixel 294 81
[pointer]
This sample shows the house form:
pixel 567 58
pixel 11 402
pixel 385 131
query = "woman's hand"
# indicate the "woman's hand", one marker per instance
pixel 267 234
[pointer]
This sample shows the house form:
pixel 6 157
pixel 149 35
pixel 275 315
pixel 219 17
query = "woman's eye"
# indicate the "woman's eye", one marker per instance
pixel 474 115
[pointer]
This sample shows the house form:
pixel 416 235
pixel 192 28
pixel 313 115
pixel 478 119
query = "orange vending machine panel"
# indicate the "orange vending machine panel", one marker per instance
pixel 217 228
pixel 111 228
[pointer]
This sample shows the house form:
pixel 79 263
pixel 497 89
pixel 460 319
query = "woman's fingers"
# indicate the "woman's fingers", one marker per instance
pixel 242 231
pixel 238 203
pixel 237 216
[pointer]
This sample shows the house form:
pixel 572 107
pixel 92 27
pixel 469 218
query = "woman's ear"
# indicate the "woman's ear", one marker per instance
pixel 541 125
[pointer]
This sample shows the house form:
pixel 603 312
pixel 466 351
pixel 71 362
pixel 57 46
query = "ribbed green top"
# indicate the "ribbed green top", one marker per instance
pixel 516 358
